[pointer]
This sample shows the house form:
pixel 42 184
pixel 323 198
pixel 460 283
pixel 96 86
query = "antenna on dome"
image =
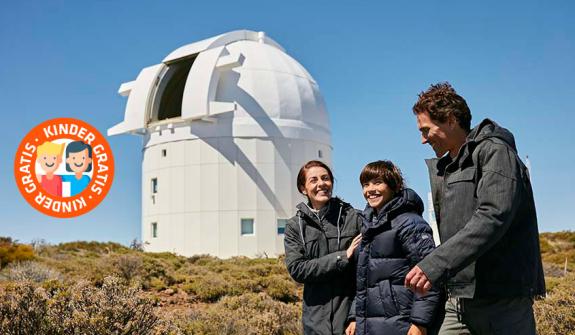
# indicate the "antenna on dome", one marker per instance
pixel 528 165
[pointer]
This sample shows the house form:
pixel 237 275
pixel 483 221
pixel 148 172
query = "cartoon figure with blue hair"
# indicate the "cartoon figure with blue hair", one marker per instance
pixel 78 160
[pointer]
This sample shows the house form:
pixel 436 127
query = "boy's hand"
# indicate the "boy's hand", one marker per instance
pixel 350 330
pixel 416 330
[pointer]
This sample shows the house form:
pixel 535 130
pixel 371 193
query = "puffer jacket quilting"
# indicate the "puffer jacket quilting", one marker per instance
pixel 392 243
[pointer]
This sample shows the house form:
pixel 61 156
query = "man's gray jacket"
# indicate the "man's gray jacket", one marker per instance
pixel 487 222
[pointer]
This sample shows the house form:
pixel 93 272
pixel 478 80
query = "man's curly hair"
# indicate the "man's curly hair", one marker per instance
pixel 440 101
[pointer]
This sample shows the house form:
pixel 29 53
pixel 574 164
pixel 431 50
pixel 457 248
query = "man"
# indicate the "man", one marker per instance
pixel 489 258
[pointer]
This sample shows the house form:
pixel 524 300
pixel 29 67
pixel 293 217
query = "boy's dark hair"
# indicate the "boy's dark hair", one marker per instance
pixel 440 101
pixel 78 146
pixel 385 170
pixel 300 182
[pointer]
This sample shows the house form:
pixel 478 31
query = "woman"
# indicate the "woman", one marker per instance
pixel 394 238
pixel 319 241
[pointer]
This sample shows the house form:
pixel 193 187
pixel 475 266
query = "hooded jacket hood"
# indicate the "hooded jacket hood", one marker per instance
pixel 406 201
pixel 304 210
pixel 489 129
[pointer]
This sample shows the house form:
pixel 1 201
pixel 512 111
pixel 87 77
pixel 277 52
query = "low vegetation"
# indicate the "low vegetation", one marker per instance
pixel 107 288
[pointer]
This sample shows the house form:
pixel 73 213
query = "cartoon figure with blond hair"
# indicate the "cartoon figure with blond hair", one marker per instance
pixel 49 157
pixel 78 160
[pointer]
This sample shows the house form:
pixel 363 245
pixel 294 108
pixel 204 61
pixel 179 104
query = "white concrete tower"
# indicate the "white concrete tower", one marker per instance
pixel 227 122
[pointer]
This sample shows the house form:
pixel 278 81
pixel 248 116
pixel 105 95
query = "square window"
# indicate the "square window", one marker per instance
pixel 154 229
pixel 164 152
pixel 282 226
pixel 247 226
pixel 154 185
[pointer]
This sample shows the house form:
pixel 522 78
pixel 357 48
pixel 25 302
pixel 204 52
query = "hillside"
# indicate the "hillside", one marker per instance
pixel 79 285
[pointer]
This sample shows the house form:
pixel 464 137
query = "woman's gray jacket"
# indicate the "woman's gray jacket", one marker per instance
pixel 315 248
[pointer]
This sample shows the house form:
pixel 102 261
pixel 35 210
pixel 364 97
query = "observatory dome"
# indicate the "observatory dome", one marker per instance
pixel 243 80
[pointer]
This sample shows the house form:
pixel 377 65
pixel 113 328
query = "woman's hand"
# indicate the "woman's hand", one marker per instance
pixel 416 330
pixel 353 245
pixel 350 330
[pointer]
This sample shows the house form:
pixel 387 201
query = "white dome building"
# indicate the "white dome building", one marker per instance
pixel 227 122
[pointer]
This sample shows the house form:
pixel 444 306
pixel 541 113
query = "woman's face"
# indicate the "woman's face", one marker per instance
pixel 377 193
pixel 79 161
pixel 318 186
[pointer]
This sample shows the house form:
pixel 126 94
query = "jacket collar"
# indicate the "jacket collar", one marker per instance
pixel 405 201
pixel 304 210
pixel 485 130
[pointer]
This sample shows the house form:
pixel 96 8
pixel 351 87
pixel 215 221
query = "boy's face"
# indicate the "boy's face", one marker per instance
pixel 377 193
pixel 49 162
pixel 79 161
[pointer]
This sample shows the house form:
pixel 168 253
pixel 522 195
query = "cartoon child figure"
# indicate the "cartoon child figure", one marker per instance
pixel 49 156
pixel 78 160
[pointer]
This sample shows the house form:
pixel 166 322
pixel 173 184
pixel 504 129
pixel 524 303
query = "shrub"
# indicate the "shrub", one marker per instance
pixel 556 313
pixel 94 247
pixel 128 266
pixel 249 313
pixel 30 271
pixel 11 251
pixel 79 309
pixel 281 288
pixel 208 289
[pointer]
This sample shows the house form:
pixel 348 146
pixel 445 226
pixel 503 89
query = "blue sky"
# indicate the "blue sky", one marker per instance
pixel 513 61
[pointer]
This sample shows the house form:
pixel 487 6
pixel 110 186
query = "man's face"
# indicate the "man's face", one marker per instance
pixel 49 162
pixel 435 133
pixel 79 161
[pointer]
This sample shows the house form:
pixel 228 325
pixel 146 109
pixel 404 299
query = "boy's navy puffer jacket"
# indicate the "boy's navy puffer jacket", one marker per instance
pixel 393 241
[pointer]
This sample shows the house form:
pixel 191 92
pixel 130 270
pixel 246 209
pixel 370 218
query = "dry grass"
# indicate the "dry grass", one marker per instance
pixel 68 289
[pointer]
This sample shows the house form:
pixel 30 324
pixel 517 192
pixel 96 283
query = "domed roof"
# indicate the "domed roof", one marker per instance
pixel 241 78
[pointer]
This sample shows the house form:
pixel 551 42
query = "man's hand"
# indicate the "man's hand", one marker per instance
pixel 353 245
pixel 350 330
pixel 417 281
pixel 416 330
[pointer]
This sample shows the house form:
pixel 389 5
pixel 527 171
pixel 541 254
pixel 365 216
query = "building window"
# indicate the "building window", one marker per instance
pixel 282 226
pixel 164 152
pixel 154 185
pixel 154 229
pixel 319 154
pixel 247 226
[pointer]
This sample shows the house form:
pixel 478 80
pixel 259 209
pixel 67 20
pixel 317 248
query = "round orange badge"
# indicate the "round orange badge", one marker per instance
pixel 64 167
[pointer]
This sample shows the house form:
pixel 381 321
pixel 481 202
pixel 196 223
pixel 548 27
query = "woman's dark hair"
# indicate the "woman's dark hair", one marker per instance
pixel 300 182
pixel 78 146
pixel 384 170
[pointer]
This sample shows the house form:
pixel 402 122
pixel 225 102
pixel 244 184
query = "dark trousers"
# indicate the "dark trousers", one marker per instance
pixel 488 316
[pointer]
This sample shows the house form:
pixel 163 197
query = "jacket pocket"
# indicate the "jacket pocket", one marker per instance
pixel 403 298
pixel 312 248
pixel 387 299
pixel 467 175
pixel 345 241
